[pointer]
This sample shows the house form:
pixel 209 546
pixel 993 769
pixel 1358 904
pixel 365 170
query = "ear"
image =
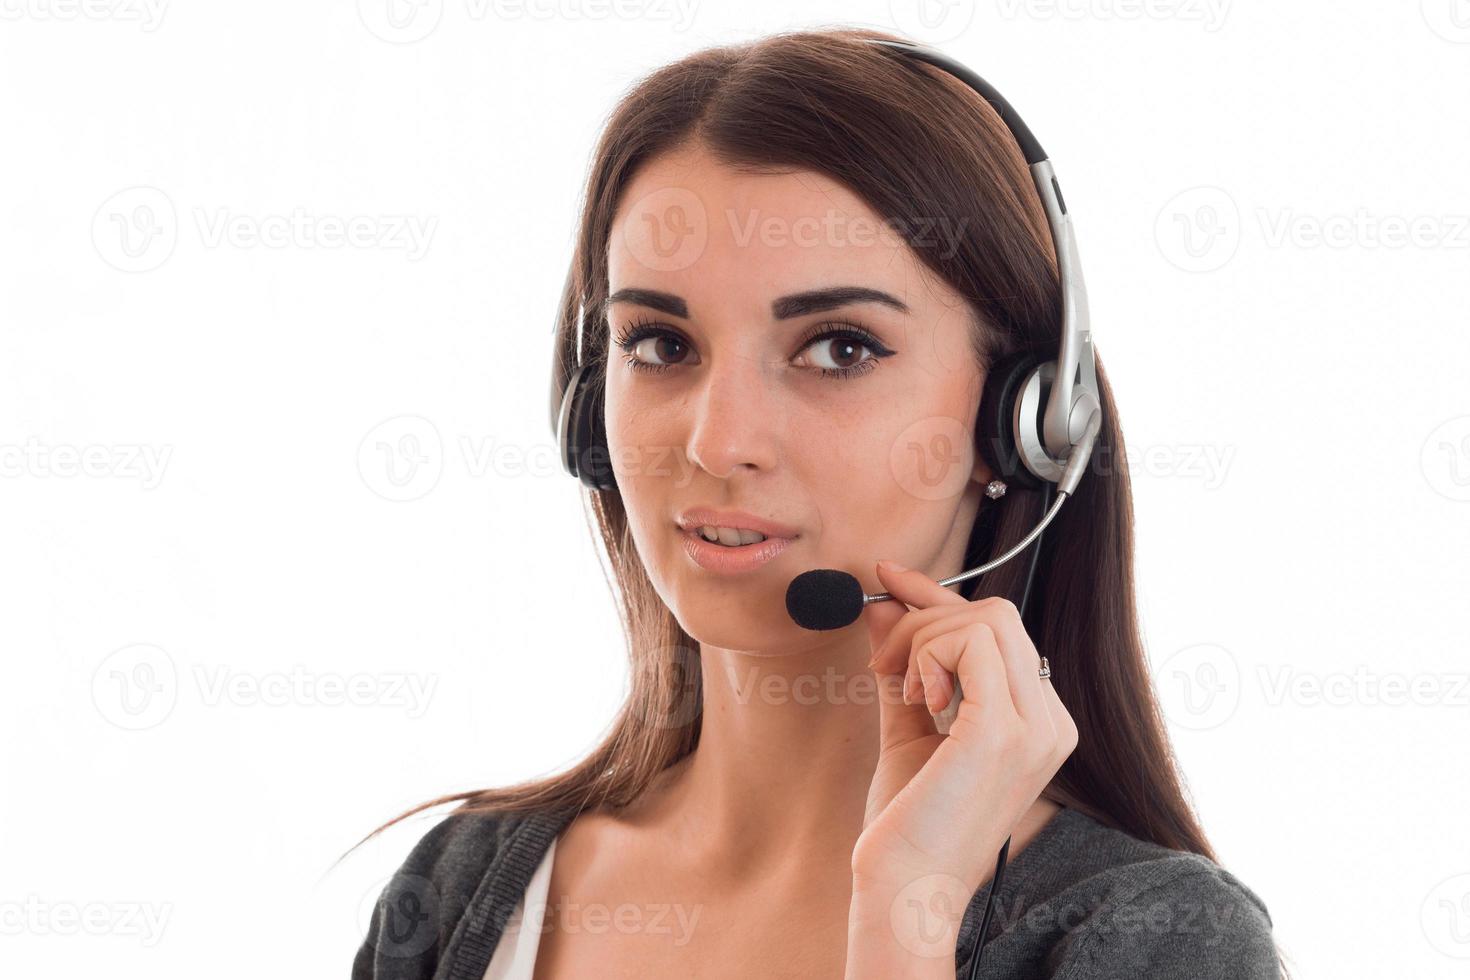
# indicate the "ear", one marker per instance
pixel 981 473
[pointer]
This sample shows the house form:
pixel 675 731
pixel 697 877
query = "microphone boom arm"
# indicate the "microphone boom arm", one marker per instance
pixel 1076 461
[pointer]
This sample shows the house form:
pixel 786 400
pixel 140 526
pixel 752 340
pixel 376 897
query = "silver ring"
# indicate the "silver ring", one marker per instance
pixel 1045 670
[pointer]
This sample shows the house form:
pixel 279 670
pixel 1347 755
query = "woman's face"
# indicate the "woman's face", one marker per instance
pixel 741 399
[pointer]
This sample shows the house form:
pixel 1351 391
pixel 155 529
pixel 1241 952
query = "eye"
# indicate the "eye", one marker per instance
pixel 650 347
pixel 653 348
pixel 839 344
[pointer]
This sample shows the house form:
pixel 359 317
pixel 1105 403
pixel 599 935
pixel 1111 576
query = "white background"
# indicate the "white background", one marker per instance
pixel 201 529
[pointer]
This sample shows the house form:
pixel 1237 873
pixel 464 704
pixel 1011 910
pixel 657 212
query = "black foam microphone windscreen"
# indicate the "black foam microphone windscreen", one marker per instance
pixel 824 599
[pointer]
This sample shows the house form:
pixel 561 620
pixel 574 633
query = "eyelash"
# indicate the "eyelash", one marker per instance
pixel 642 329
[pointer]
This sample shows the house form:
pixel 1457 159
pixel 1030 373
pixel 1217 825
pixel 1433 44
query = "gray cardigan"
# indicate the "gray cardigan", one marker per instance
pixel 1082 900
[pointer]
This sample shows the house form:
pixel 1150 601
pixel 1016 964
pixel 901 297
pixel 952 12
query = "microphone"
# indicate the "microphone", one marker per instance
pixel 825 599
pixel 829 599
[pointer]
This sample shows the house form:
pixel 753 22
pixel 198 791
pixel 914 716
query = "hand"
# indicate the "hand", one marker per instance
pixel 944 804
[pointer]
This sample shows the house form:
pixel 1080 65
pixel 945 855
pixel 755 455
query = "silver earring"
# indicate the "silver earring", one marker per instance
pixel 995 489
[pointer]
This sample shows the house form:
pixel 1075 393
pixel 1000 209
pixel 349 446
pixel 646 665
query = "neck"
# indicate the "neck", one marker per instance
pixel 778 784
pixel 787 748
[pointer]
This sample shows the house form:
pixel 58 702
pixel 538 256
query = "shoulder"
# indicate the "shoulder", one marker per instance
pixel 1181 920
pixel 423 904
pixel 1133 908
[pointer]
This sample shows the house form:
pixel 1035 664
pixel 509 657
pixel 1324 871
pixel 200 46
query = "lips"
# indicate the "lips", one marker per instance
pixel 730 537
pixel 697 517
pixel 727 560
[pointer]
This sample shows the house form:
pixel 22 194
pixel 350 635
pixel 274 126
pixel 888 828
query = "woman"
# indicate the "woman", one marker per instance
pixel 799 260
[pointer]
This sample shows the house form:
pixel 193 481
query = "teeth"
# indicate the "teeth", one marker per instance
pixel 730 536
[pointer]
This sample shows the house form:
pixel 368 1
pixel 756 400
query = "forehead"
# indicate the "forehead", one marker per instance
pixel 688 223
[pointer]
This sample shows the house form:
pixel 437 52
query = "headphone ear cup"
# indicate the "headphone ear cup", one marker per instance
pixel 995 425
pixel 582 434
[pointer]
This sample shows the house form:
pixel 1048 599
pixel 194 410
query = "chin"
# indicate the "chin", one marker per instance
pixel 729 624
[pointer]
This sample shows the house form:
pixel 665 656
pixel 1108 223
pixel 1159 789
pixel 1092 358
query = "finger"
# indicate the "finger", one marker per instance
pixel 972 654
pixel 1018 652
pixel 1062 721
pixel 1022 661
pixel 901 652
pixel 899 723
pixel 960 621
pixel 914 587
pixel 896 650
pixel 881 618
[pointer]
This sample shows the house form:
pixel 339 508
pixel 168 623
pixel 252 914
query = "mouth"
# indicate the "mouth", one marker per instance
pixel 729 537
pixel 732 551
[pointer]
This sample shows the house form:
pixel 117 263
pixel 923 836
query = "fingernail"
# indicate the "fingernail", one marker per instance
pixel 908 687
pixel 938 692
pixel 892 566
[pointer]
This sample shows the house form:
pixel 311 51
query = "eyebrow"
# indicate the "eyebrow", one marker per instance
pixel 785 308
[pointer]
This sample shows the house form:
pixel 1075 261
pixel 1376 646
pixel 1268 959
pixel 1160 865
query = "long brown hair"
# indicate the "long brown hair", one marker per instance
pixel 914 143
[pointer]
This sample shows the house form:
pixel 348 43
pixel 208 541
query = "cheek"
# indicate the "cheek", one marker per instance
pixel 932 458
pixel 642 434
pixel 847 472
pixel 899 455
pixel 892 496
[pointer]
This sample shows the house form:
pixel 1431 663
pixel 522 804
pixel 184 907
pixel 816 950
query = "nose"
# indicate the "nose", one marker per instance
pixel 734 419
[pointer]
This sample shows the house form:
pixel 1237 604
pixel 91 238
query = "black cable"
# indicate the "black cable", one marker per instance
pixel 1005 849
pixel 1000 867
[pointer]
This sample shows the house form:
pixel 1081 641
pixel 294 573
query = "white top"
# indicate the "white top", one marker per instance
pixel 515 954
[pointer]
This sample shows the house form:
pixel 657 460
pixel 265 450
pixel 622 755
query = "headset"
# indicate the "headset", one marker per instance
pixel 1037 421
